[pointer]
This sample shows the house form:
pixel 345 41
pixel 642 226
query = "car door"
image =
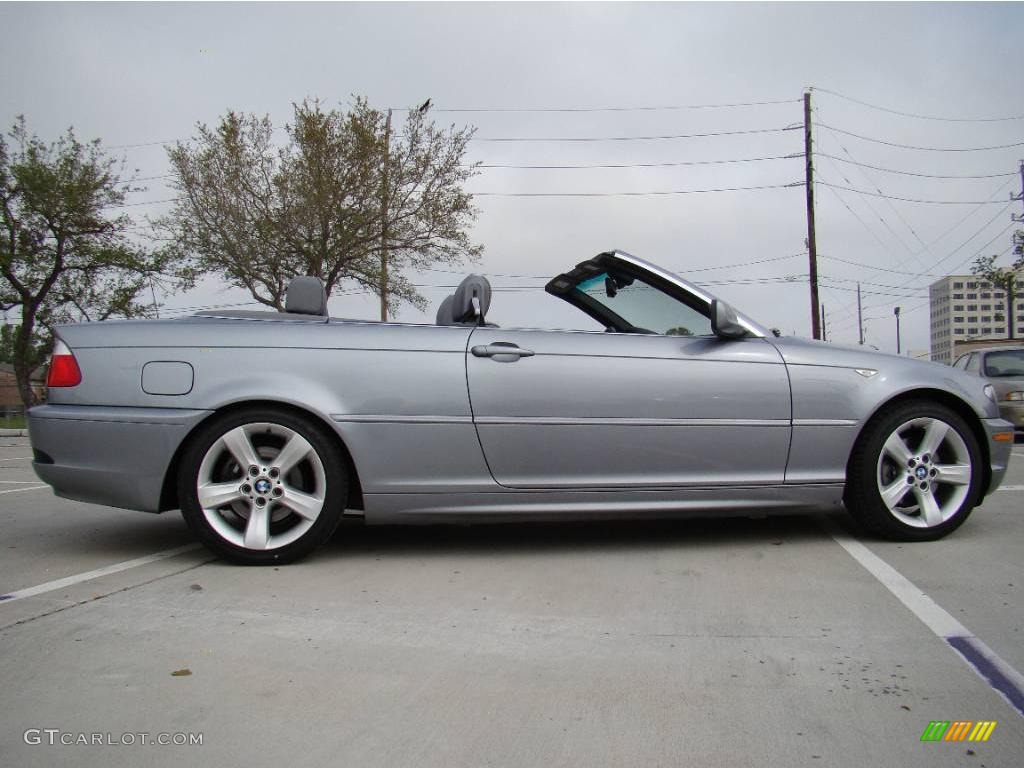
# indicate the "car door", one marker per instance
pixel 670 406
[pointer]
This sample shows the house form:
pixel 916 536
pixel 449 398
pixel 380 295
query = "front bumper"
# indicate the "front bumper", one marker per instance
pixel 1013 412
pixel 104 455
pixel 999 449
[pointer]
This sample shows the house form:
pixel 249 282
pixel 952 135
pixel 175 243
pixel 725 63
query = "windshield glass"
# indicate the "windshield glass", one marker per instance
pixel 1005 363
pixel 645 307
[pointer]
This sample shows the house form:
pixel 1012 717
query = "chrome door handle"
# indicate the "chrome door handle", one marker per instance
pixel 500 349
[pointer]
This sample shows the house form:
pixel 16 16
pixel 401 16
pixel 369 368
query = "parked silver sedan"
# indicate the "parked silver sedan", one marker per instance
pixel 266 428
pixel 1003 366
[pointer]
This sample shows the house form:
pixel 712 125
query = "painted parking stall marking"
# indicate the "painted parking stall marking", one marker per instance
pixel 19 490
pixel 50 586
pixel 986 663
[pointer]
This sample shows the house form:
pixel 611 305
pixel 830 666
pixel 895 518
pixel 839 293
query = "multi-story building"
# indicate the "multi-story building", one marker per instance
pixel 966 308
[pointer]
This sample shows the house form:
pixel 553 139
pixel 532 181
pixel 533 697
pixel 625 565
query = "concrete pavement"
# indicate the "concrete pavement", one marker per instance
pixel 713 643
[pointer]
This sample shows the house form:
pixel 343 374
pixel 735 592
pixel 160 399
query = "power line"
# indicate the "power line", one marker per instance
pixel 635 138
pixel 664 108
pixel 647 165
pixel 888 202
pixel 918 116
pixel 913 146
pixel 911 199
pixel 639 194
pixel 559 194
pixel 877 269
pixel 687 271
pixel 912 173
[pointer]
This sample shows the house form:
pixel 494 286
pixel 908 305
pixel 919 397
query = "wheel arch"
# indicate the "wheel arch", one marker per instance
pixel 951 401
pixel 169 489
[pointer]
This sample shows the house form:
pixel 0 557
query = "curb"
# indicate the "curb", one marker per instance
pixel 13 433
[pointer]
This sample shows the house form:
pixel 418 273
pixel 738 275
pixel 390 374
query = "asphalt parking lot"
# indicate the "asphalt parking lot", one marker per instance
pixel 748 642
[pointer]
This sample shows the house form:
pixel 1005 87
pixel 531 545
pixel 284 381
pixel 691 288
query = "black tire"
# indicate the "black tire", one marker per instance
pixel 864 475
pixel 331 473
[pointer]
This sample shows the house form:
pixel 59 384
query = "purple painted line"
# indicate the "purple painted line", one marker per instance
pixel 6 597
pixel 976 657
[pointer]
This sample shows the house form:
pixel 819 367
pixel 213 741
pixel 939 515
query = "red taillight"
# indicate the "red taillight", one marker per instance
pixel 64 370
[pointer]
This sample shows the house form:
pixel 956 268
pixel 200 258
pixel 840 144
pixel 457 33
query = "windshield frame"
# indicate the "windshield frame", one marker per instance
pixel 618 262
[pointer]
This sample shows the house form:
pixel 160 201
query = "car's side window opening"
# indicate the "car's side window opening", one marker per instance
pixel 645 307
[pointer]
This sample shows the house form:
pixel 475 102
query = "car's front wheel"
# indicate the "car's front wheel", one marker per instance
pixel 915 474
pixel 261 486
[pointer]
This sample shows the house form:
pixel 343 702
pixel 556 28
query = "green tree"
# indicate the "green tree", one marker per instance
pixel 1006 278
pixel 258 214
pixel 64 256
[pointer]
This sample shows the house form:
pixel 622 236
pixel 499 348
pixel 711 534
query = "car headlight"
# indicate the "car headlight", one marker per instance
pixel 1017 395
pixel 990 393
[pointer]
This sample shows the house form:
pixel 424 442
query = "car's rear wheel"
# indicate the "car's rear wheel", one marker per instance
pixel 262 486
pixel 915 474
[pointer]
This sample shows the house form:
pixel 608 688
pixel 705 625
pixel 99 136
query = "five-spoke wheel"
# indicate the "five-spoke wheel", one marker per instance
pixel 914 474
pixel 261 486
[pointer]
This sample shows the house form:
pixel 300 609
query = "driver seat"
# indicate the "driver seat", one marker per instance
pixel 468 305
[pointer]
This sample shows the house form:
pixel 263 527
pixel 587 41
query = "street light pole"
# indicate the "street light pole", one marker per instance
pixel 896 311
pixel 384 222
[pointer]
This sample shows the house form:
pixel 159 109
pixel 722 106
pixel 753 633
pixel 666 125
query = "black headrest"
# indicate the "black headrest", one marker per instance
pixel 472 287
pixel 306 296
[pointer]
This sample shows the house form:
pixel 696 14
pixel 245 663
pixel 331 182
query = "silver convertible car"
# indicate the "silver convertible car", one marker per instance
pixel 265 428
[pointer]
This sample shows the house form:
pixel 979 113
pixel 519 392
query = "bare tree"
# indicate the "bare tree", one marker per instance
pixel 258 214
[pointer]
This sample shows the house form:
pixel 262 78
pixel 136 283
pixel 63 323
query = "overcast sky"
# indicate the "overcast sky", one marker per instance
pixel 140 73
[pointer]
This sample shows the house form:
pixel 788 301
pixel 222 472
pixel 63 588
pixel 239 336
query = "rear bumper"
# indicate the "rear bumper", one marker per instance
pixel 113 456
pixel 999 450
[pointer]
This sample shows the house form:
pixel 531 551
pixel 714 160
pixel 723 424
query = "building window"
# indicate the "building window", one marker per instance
pixel 972 307
pixel 958 307
pixel 973 331
pixel 986 331
pixel 986 318
pixel 958 319
pixel 971 285
pixel 958 331
pixel 986 307
pixel 958 295
pixel 958 285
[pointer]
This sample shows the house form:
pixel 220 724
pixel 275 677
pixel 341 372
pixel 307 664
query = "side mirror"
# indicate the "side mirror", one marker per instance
pixel 724 322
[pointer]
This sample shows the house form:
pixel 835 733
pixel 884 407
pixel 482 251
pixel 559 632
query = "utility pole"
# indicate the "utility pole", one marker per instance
pixel 384 223
pixel 1019 216
pixel 812 248
pixel 896 311
pixel 824 335
pixel 152 292
pixel 1018 243
pixel 860 317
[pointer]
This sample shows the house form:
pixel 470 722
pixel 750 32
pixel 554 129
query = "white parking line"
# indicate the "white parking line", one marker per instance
pixel 16 458
pixel 1003 678
pixel 19 490
pixel 1010 488
pixel 116 568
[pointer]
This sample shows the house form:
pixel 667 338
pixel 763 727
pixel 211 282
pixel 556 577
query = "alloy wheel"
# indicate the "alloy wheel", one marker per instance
pixel 261 486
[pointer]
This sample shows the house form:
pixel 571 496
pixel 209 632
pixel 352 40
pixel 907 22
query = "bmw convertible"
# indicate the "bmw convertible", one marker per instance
pixel 267 428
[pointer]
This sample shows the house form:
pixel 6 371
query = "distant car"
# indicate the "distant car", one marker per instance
pixel 264 428
pixel 1004 367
